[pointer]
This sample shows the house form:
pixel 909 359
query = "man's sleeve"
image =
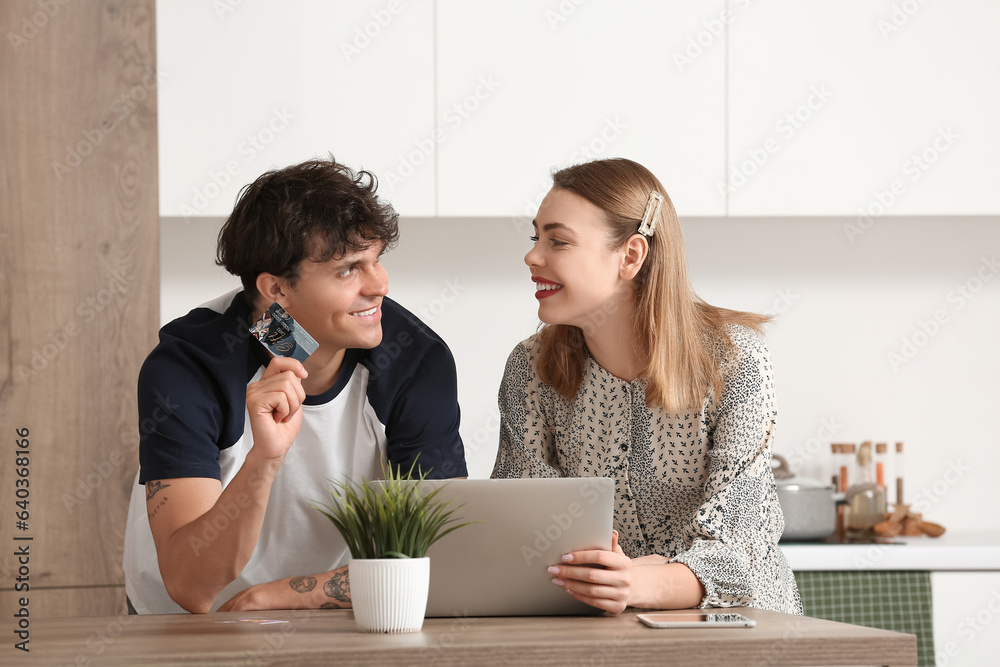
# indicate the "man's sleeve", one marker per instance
pixel 424 418
pixel 180 418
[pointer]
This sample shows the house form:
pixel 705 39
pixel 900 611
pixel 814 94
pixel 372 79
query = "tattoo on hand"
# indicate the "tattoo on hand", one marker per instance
pixel 152 488
pixel 330 605
pixel 338 587
pixel 303 584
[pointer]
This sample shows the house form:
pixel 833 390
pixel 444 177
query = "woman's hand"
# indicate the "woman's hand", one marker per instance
pixel 611 581
pixel 601 578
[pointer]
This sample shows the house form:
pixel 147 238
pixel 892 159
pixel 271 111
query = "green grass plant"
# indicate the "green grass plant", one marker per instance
pixel 396 518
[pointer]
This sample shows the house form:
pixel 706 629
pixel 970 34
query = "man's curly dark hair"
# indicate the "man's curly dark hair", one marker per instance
pixel 317 210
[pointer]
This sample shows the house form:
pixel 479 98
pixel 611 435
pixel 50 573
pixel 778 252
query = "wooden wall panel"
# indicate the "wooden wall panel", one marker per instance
pixel 79 285
pixel 64 602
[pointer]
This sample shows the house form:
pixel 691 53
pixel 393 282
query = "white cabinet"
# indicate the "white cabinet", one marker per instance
pixel 966 618
pixel 249 86
pixel 524 87
pixel 882 108
pixel 463 108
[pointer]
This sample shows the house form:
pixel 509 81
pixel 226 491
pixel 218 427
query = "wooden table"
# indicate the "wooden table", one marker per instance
pixel 327 637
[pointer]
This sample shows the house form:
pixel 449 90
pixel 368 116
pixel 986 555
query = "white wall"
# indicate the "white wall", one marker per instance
pixel 842 309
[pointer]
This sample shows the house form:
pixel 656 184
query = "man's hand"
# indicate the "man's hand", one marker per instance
pixel 274 403
pixel 197 559
pixel 330 590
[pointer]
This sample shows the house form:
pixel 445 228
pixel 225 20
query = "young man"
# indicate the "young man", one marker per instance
pixel 237 446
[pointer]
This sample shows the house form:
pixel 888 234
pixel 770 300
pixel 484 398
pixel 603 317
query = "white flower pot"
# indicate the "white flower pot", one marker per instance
pixel 389 594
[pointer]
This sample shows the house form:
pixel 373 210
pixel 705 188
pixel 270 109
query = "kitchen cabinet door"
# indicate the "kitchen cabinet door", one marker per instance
pixel 966 617
pixel 524 87
pixel 246 87
pixel 859 108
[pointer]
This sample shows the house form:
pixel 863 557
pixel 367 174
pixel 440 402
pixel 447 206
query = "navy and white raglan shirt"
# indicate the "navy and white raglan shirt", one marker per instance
pixel 393 402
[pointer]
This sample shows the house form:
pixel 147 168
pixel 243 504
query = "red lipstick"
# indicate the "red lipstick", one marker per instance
pixel 545 292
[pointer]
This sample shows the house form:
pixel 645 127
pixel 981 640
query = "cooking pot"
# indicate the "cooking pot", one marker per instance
pixel 809 506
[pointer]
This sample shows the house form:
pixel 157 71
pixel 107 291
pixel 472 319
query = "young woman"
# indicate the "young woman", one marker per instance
pixel 633 377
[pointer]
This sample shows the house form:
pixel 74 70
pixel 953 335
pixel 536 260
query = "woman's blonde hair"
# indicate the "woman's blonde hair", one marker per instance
pixel 675 327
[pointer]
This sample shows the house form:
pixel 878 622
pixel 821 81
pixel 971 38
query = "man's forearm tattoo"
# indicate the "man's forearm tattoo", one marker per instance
pixel 338 588
pixel 302 584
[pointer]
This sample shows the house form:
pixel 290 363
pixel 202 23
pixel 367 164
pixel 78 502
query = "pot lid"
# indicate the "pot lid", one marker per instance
pixel 786 479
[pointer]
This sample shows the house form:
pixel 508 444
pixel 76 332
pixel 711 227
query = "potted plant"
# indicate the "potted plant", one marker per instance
pixel 388 527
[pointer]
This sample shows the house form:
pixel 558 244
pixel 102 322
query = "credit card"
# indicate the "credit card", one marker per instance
pixel 282 335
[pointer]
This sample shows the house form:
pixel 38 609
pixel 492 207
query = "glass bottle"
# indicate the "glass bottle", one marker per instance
pixel 835 457
pixel 883 474
pixel 898 467
pixel 865 498
pixel 846 465
pixel 844 462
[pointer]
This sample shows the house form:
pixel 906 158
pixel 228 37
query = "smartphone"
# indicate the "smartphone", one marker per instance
pixel 697 619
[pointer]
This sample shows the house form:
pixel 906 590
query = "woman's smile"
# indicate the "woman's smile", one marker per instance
pixel 545 288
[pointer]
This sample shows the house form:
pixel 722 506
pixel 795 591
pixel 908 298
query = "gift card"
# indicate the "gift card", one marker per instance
pixel 283 336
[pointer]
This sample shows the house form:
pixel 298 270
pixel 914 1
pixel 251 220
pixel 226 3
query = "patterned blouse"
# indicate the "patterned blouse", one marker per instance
pixel 696 488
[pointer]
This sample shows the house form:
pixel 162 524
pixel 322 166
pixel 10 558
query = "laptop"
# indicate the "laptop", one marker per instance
pixel 497 567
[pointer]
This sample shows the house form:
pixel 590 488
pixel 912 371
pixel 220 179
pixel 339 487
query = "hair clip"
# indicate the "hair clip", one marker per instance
pixel 650 216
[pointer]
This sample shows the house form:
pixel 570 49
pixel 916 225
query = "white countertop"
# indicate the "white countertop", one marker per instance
pixel 950 552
